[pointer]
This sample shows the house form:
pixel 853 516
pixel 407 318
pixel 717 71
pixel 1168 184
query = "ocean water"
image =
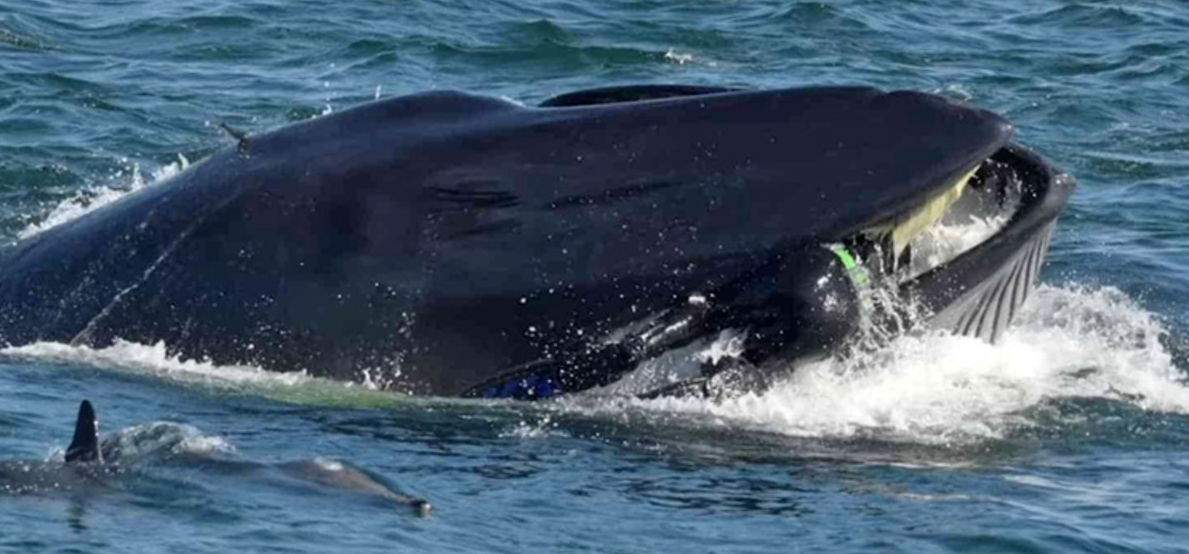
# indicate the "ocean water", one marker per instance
pixel 1071 434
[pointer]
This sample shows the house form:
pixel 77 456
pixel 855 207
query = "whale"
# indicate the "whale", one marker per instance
pixel 453 244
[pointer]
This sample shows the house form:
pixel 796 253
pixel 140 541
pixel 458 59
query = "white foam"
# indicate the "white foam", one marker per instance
pixel 545 428
pixel 328 464
pixel 92 198
pixel 296 387
pixel 939 388
pixel 152 359
pixel 679 58
pixel 205 444
pixel 160 438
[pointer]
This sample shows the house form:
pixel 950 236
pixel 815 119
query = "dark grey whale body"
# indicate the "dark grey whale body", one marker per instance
pixel 450 244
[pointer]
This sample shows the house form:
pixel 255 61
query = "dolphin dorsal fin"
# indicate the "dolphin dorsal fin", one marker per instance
pixel 85 445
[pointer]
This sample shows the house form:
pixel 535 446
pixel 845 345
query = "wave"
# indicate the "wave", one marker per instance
pixel 155 360
pixel 162 439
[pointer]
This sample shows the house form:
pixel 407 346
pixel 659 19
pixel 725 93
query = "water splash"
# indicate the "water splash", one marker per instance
pixel 936 388
pixel 679 58
pixel 162 439
pixel 152 359
pixel 545 427
pixel 155 360
pixel 92 198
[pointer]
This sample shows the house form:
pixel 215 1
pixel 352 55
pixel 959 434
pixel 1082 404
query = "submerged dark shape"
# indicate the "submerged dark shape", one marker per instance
pixel 449 244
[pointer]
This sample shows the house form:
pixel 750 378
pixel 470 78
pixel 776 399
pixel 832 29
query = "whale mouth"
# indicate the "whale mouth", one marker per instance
pixel 991 196
pixel 974 207
pixel 962 260
pixel 973 266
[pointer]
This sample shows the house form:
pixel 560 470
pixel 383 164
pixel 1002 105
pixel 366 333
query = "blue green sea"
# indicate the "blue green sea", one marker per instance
pixel 1071 434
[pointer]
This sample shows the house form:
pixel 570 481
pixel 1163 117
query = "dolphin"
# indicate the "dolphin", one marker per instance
pixel 82 466
pixel 90 463
pixel 448 243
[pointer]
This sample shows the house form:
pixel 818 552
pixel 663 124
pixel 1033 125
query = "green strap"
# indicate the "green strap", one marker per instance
pixel 857 272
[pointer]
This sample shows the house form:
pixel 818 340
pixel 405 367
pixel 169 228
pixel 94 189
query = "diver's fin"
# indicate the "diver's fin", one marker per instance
pixel 85 445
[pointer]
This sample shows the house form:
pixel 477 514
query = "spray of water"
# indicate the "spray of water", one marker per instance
pixel 152 359
pixel 155 359
pixel 939 388
pixel 93 198
pixel 161 439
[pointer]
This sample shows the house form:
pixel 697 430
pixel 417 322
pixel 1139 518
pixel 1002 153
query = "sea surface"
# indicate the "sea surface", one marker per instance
pixel 1070 435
